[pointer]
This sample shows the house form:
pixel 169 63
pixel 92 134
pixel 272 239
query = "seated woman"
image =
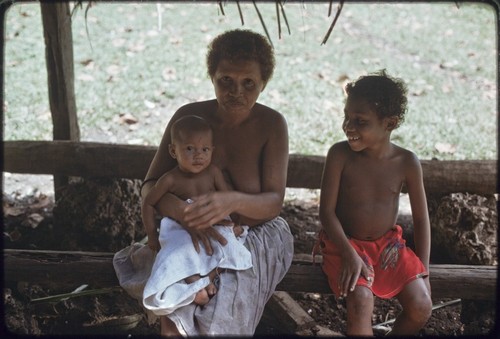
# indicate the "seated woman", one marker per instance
pixel 251 148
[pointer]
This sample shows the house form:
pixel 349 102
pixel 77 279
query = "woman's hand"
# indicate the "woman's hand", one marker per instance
pixel 154 243
pixel 208 209
pixel 204 237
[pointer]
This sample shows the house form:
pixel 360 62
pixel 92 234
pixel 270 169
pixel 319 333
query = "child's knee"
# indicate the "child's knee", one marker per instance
pixel 360 301
pixel 424 307
pixel 420 310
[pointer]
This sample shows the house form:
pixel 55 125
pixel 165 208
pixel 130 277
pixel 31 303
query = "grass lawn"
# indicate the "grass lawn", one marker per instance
pixel 144 61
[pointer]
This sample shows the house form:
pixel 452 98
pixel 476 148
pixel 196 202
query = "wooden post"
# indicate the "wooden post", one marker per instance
pixel 56 19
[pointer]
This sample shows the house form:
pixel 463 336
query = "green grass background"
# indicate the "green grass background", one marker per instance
pixel 129 64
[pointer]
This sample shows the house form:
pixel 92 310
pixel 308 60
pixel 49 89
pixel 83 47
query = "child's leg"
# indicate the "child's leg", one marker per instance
pixel 359 311
pixel 417 308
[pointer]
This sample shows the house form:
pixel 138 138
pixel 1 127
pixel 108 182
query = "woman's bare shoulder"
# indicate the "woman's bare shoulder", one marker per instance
pixel 197 108
pixel 267 117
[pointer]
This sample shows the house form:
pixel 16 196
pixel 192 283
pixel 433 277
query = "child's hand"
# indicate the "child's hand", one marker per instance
pixel 352 267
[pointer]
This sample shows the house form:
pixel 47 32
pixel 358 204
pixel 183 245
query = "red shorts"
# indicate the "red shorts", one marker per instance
pixel 392 265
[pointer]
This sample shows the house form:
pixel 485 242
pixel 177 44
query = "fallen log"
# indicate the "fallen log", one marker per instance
pixel 90 159
pixel 64 271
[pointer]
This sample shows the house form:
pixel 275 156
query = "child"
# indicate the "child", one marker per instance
pixel 192 147
pixel 363 251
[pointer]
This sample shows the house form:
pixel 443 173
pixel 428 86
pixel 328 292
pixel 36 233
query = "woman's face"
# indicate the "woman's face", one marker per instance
pixel 237 86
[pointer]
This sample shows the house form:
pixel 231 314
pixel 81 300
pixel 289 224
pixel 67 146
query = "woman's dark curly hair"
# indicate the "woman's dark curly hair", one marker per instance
pixel 385 94
pixel 239 45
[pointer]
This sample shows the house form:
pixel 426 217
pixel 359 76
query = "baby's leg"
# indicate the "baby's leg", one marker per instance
pixel 417 308
pixel 359 312
pixel 202 297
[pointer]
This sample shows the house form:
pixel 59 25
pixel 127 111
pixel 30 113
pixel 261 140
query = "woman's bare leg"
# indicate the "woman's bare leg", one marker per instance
pixel 168 328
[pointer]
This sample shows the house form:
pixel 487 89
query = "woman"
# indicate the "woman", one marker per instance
pixel 251 148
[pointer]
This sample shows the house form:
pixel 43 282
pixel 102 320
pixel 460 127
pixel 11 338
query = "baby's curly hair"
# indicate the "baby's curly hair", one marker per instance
pixel 386 94
pixel 238 45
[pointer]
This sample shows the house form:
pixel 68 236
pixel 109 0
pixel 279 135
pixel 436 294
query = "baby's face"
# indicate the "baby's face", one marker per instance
pixel 193 151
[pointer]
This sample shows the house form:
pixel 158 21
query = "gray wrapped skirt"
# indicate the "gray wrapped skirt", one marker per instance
pixel 237 307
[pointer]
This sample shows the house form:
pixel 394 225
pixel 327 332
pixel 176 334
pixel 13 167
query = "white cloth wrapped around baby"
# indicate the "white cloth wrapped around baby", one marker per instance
pixel 166 290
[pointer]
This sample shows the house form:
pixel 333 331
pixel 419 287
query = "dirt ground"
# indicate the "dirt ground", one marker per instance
pixel 28 224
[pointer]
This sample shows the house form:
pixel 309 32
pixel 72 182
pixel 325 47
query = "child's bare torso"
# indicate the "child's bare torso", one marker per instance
pixel 368 198
pixel 187 186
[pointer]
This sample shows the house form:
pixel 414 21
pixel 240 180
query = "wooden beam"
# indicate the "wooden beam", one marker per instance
pixel 56 20
pixel 89 159
pixel 82 159
pixel 64 271
pixel 284 310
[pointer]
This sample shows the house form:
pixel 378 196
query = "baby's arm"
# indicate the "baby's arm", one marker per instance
pixel 148 210
pixel 420 214
pixel 220 182
pixel 352 264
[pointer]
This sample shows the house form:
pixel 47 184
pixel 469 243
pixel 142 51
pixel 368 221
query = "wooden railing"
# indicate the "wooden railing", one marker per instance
pixel 87 159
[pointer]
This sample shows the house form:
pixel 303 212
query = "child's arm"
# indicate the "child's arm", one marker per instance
pixel 148 210
pixel 352 264
pixel 220 182
pixel 420 214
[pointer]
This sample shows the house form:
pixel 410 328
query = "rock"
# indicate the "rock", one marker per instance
pixel 98 215
pixel 464 229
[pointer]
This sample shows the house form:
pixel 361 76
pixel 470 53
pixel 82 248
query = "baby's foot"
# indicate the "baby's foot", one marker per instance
pixel 202 297
pixel 238 230
pixel 211 289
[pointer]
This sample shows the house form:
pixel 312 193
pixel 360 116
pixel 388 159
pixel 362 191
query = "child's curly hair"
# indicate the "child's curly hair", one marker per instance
pixel 386 95
pixel 238 45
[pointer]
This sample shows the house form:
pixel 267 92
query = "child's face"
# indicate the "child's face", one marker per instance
pixel 363 127
pixel 193 151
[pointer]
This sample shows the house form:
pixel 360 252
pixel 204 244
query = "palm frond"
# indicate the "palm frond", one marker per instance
pixel 339 9
pixel 77 293
pixel 241 13
pixel 284 16
pixel 262 22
